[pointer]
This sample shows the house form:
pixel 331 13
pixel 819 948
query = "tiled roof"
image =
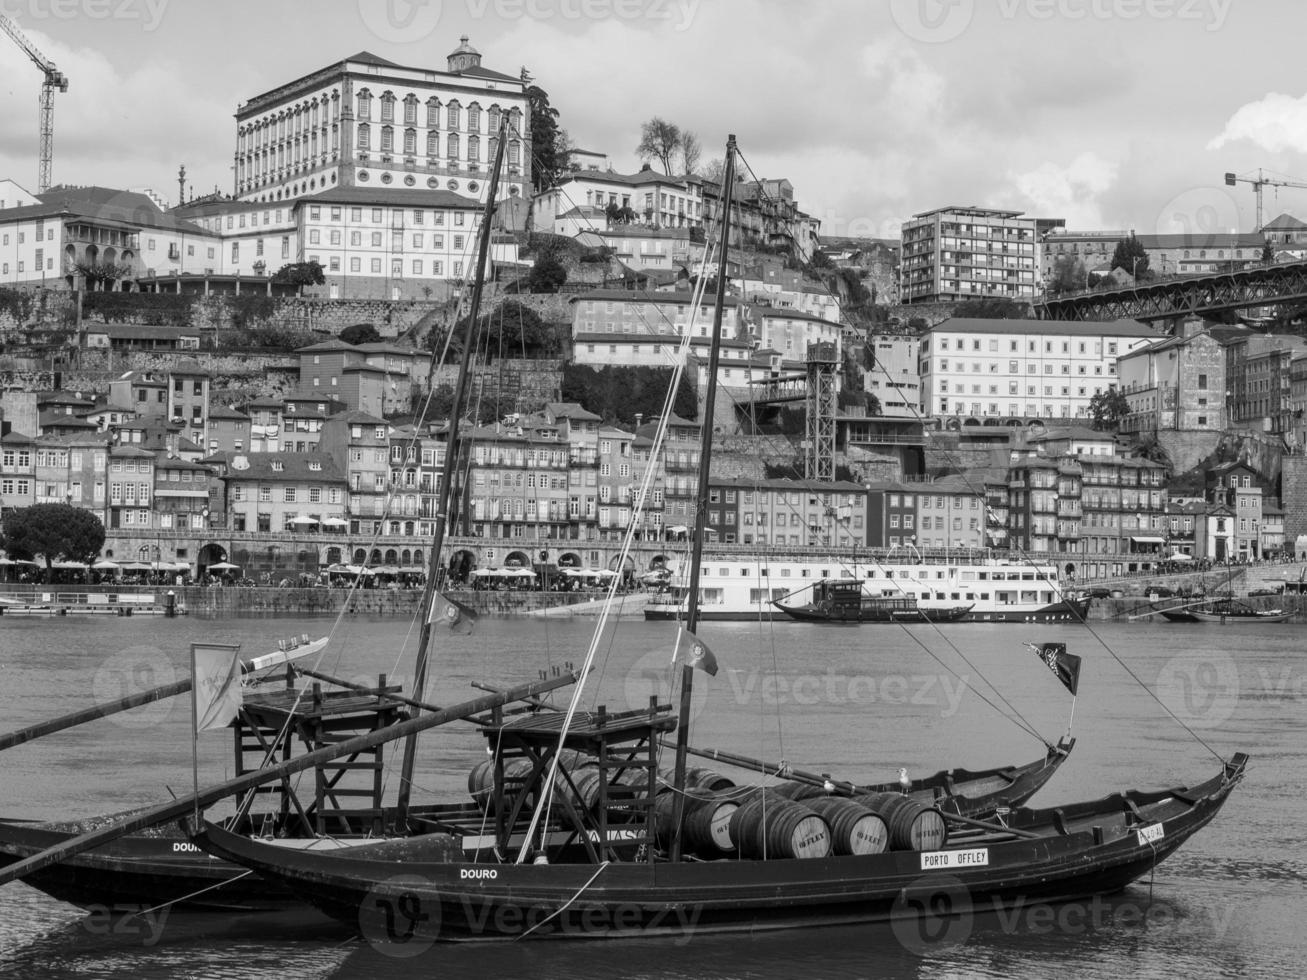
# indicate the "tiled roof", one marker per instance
pixel 407 197
pixel 293 467
pixel 640 296
pixel 1091 328
pixel 218 412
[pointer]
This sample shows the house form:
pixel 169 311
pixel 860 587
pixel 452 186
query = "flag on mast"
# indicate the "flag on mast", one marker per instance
pixel 695 653
pixel 216 684
pixel 1066 666
pixel 451 614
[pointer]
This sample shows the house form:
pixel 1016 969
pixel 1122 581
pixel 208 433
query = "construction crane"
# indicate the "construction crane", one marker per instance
pixel 54 79
pixel 1258 182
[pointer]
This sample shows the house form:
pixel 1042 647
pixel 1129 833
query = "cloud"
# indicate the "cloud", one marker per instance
pixel 1072 190
pixel 1274 122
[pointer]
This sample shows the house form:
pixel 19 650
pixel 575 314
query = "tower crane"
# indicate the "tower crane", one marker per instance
pixel 1258 182
pixel 54 79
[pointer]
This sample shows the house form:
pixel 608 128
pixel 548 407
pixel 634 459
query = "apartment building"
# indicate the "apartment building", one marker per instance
pixel 957 253
pixel 1176 384
pixel 1259 381
pixel 802 513
pixel 1013 368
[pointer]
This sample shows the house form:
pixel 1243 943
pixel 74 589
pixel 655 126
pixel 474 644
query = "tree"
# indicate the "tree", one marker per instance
pixel 714 171
pixel 1069 276
pixel 993 308
pixel 550 147
pixel 619 214
pixel 659 140
pixel 1268 253
pixel 104 272
pixel 547 274
pixel 59 532
pixel 301 274
pixel 1131 256
pixel 691 151
pixel 361 333
pixel 1108 409
pixel 517 330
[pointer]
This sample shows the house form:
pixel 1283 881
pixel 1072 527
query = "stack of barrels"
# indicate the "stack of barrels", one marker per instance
pixel 792 820
pixel 720 819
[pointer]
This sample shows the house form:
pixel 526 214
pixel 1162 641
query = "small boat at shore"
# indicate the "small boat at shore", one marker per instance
pixel 1226 612
pixel 843 601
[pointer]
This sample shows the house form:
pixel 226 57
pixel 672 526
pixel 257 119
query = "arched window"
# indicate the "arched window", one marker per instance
pixel 387 138
pixel 365 136
pixel 515 122
pixel 433 144
pixel 364 104
pixel 452 115
pixel 359 556
pixel 492 120
pixel 514 152
pixel 433 113
pixel 451 146
pixel 388 107
pixel 410 141
pixel 474 117
pixel 474 148
pixel 410 110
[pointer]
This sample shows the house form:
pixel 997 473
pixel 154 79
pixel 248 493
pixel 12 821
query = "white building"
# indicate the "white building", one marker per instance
pixel 893 376
pixel 790 332
pixel 1022 368
pixel 654 198
pixel 367 121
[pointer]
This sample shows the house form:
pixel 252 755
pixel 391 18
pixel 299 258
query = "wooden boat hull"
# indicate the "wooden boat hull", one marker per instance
pixel 162 866
pixel 1239 618
pixel 870 614
pixel 1082 849
pixel 1063 611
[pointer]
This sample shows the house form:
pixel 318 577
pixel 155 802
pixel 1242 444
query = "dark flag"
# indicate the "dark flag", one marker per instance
pixel 696 653
pixel 453 615
pixel 1065 665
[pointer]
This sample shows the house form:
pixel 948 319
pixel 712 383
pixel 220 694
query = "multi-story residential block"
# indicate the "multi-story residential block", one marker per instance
pixel 520 484
pixel 274 491
pixel 950 513
pixel 957 253
pixel 893 376
pixel 669 505
pixel 657 200
pixel 265 424
pixel 1259 381
pixel 17 470
pixel 804 513
pixel 369 122
pixel 229 430
pixel 1296 437
pixel 302 418
pixel 131 488
pixel 616 481
pixel 372 378
pixel 891 515
pixel 1240 488
pixel 1015 368
pixel 1087 504
pixel 188 400
pixel 790 333
pixel 764 213
pixel 72 469
pixel 360 445
pixel 181 494
pixel 1176 384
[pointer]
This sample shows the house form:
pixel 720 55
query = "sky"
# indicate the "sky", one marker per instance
pixel 1111 114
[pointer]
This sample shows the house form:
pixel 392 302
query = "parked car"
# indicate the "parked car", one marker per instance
pixel 1100 592
pixel 1266 591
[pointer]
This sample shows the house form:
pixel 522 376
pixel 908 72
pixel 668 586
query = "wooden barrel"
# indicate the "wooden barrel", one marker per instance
pixel 481 780
pixel 586 781
pixel 697 778
pixel 794 790
pixel 769 825
pixel 854 828
pixel 912 826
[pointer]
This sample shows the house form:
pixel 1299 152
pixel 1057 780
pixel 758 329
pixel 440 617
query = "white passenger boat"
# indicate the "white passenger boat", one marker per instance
pixel 999 590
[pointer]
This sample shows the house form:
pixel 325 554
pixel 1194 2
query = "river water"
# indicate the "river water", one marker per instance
pixel 857 702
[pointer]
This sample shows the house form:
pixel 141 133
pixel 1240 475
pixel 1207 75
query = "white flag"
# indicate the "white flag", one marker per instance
pixel 215 669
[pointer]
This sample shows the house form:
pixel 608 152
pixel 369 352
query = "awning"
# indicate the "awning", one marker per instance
pixel 1145 540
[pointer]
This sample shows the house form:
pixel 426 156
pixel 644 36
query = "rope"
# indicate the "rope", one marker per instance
pixel 190 895
pixel 564 907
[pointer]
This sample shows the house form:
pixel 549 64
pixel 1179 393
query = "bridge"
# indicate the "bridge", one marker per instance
pixel 1206 294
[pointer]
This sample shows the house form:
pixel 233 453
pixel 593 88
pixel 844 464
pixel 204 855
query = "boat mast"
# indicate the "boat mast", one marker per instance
pixel 445 494
pixel 701 502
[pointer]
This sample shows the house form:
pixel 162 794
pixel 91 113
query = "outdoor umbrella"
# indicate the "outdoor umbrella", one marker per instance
pixel 223 566
pixel 105 564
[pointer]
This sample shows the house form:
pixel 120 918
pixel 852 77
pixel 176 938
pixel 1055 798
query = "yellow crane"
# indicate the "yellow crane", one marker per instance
pixel 54 79
pixel 1258 182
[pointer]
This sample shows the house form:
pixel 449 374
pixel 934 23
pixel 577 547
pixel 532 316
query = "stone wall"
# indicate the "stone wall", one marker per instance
pixel 527 384
pixel 1294 494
